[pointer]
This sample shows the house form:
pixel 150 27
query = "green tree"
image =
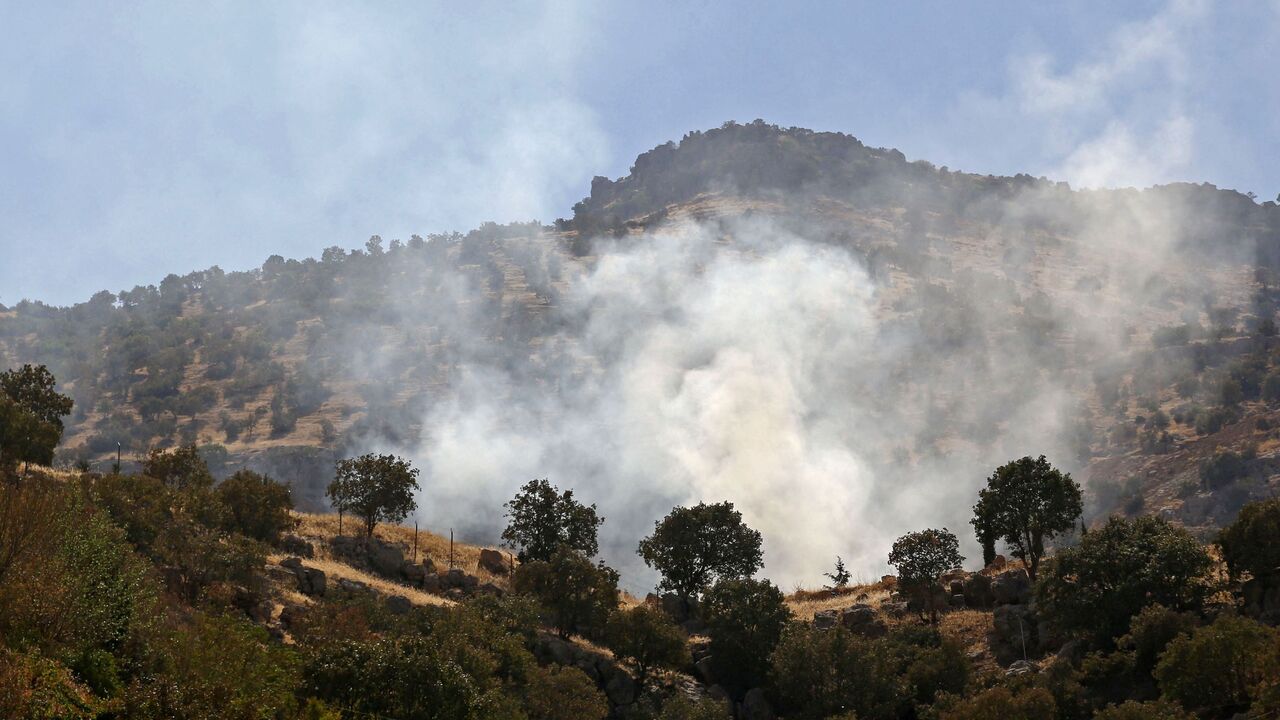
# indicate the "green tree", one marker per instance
pixel 819 673
pixel 31 413
pixel 1094 589
pixel 181 468
pixel 920 558
pixel 695 546
pixel 745 619
pixel 645 638
pixel 378 488
pixel 839 577
pixel 1249 545
pixel 257 506
pixel 1026 502
pixel 541 519
pixel 1221 668
pixel 1001 703
pixel 576 595
pixel 563 692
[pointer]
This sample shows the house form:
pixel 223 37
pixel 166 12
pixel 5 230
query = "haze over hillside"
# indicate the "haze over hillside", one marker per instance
pixel 841 342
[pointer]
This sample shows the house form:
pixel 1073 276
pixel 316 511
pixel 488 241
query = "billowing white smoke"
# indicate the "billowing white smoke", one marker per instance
pixel 758 372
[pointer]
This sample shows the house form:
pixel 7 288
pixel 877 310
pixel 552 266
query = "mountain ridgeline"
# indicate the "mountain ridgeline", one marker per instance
pixel 1129 333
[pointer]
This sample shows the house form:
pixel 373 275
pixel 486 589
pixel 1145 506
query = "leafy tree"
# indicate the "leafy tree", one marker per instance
pixel 645 638
pixel 31 413
pixel 1001 703
pixel 1094 589
pixel 920 558
pixel 1249 545
pixel 840 576
pixel 181 469
pixel 257 506
pixel 541 519
pixel 1026 502
pixel 563 693
pixel 377 488
pixel 818 673
pixel 1222 667
pixel 576 595
pixel 695 546
pixel 745 619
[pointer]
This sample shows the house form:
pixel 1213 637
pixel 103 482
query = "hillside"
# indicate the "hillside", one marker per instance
pixel 1128 333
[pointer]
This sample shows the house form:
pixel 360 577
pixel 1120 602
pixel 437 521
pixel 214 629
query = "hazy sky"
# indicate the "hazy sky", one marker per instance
pixel 142 139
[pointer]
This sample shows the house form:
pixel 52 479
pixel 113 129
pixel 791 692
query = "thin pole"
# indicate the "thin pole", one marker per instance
pixel 450 548
pixel 415 540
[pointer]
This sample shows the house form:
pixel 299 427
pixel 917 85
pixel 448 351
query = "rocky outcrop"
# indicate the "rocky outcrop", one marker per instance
pixel 754 706
pixel 1011 587
pixel 494 562
pixel 295 545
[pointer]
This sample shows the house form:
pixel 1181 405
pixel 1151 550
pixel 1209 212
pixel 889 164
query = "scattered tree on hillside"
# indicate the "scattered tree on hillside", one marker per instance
pixel 181 468
pixel 1093 589
pixel 840 576
pixel 645 638
pixel 745 619
pixel 920 558
pixel 576 594
pixel 1025 503
pixel 695 546
pixel 541 519
pixel 257 506
pixel 377 488
pixel 1221 668
pixel 31 413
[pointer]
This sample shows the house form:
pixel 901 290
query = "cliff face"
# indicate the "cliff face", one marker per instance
pixel 1133 330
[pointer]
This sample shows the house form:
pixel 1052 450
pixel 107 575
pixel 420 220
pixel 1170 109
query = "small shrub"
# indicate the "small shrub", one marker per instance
pixel 645 638
pixel 563 693
pixel 576 595
pixel 1249 545
pixel 1001 703
pixel 1153 710
pixel 256 505
pixel 818 673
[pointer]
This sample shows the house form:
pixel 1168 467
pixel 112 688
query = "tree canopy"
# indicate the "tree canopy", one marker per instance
pixel 695 546
pixel 541 519
pixel 377 488
pixel 1026 502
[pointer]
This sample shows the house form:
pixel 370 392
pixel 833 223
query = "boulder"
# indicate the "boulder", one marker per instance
pixel 957 601
pixel 1011 587
pixel 490 589
pixel 1020 667
pixel 956 587
pixel 620 688
pixel 1015 627
pixel 413 572
pixel 755 706
pixel 977 591
pixel 825 619
pixel 293 564
pixel 385 559
pixel 295 545
pixel 936 599
pixel 952 575
pixel 894 609
pixel 863 620
pixel 431 583
pixel 494 562
pixel 291 614
pixel 312 582
pixel 398 605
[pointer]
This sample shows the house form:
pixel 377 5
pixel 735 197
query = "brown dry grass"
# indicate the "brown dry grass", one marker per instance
pixel 804 603
pixel 430 545
pixel 335 570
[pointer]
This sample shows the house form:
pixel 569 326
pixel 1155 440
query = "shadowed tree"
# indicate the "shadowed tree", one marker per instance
pixel 694 547
pixel 920 558
pixel 541 519
pixel 1025 503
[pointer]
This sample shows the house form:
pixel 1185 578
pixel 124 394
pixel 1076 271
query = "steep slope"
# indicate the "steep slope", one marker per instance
pixel 1129 334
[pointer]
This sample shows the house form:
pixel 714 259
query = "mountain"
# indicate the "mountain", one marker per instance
pixel 750 304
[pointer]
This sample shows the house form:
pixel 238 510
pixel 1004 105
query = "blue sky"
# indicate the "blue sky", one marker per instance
pixel 142 139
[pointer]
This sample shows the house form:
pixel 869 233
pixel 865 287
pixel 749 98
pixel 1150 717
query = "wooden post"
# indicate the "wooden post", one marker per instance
pixel 415 539
pixel 450 548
